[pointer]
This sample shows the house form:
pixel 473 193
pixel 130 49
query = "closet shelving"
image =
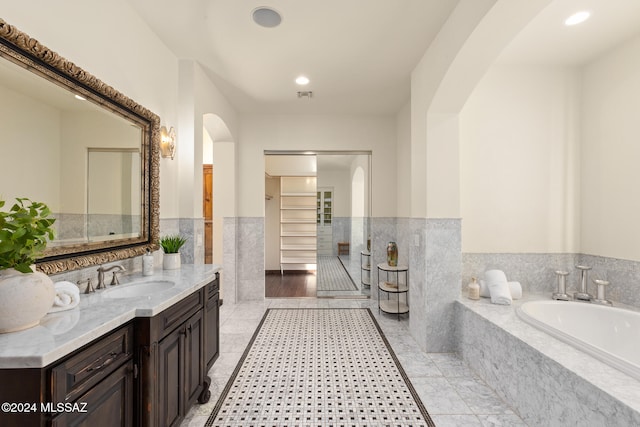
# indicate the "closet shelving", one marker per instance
pixel 298 238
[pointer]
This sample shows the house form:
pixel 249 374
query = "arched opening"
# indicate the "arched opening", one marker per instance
pixel 218 198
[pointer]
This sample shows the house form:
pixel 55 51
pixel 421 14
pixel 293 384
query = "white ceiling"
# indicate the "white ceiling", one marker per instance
pixel 359 54
pixel 546 40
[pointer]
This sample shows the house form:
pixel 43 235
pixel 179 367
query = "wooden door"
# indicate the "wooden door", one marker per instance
pixel 207 211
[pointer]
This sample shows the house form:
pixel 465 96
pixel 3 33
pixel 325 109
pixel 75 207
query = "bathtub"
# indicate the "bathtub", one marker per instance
pixel 609 334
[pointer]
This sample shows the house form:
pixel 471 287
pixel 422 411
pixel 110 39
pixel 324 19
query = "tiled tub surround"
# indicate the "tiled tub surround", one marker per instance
pixel 548 382
pixel 536 272
pixel 64 332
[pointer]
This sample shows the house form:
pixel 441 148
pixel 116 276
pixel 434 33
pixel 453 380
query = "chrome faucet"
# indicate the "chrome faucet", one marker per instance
pixel 600 298
pixel 582 293
pixel 89 289
pixel 561 293
pixel 102 270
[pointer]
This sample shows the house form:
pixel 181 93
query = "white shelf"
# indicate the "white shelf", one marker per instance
pixel 386 267
pixel 298 240
pixel 384 286
pixel 298 208
pixel 394 307
pixel 298 247
pixel 297 260
pixel 298 234
pixel 298 194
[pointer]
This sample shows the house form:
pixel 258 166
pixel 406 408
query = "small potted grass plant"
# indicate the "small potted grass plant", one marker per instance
pixel 171 245
pixel 25 295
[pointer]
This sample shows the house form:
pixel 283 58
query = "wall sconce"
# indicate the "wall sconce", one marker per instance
pixel 167 142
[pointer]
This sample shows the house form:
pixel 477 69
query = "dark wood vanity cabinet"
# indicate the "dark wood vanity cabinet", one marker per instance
pixel 148 372
pixel 92 387
pixel 175 353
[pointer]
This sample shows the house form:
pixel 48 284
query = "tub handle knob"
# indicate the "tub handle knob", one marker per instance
pixel 561 294
pixel 600 297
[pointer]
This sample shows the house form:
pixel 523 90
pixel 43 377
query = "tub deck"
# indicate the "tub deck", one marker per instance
pixel 549 382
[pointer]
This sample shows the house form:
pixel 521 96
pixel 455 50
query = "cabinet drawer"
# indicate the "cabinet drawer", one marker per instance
pixel 79 373
pixel 177 314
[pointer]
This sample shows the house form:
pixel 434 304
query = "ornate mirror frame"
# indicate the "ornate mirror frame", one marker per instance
pixel 27 52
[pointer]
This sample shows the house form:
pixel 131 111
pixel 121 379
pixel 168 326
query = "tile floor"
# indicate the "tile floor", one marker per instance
pixel 453 394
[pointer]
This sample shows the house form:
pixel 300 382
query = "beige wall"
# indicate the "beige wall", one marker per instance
pixel 611 154
pixel 316 132
pixel 518 137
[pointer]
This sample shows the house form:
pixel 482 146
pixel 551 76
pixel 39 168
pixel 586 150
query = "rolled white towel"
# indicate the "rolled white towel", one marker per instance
pixel 498 287
pixel 484 289
pixel 67 297
pixel 514 287
pixel 516 290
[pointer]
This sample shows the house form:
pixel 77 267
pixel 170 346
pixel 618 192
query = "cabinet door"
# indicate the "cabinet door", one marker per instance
pixel 194 358
pixel 108 404
pixel 171 377
pixel 212 340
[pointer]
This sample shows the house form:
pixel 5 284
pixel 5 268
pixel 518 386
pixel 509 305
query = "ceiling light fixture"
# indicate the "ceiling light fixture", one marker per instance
pixel 577 18
pixel 266 17
pixel 302 80
pixel 80 98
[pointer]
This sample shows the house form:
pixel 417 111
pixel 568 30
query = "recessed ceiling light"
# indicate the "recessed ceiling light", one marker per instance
pixel 302 80
pixel 266 17
pixel 577 18
pixel 80 98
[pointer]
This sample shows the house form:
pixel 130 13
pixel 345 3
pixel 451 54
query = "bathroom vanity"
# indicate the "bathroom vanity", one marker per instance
pixel 137 360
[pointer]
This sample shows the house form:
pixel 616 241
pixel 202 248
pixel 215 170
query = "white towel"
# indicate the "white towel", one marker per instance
pixel 67 297
pixel 514 287
pixel 516 290
pixel 498 287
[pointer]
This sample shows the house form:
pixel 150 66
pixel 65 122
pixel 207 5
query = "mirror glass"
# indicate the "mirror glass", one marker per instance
pixel 82 148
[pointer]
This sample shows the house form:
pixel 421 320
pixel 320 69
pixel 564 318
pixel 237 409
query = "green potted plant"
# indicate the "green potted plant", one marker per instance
pixel 25 295
pixel 171 245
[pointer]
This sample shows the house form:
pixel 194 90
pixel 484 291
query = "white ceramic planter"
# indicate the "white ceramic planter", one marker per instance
pixel 171 261
pixel 24 299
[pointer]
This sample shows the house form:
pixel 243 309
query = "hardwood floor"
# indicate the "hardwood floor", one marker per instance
pixel 291 284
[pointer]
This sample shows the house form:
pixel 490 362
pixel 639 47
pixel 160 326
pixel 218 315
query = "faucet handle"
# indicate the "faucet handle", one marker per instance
pixel 600 298
pixel 114 279
pixel 89 289
pixel 561 294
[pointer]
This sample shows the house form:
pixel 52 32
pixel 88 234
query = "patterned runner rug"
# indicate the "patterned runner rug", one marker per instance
pixel 319 367
pixel 332 276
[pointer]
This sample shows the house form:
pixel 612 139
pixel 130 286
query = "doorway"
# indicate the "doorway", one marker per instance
pixel 336 235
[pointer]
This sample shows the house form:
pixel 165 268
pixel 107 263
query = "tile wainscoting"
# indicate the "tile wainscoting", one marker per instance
pixel 536 272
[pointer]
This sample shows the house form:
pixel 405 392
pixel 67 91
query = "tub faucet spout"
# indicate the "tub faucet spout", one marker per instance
pixel 582 293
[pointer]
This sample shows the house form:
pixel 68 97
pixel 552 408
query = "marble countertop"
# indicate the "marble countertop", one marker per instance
pixel 63 332
pixel 616 383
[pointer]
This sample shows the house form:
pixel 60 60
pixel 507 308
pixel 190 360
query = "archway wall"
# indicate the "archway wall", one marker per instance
pixel 466 46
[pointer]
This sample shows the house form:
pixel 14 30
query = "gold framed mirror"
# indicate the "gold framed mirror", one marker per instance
pixel 83 148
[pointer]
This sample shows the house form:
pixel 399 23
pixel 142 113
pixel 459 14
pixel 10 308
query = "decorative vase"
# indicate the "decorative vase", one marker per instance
pixel 25 298
pixel 392 254
pixel 171 261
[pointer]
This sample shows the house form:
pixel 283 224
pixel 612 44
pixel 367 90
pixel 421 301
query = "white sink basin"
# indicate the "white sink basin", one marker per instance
pixel 140 289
